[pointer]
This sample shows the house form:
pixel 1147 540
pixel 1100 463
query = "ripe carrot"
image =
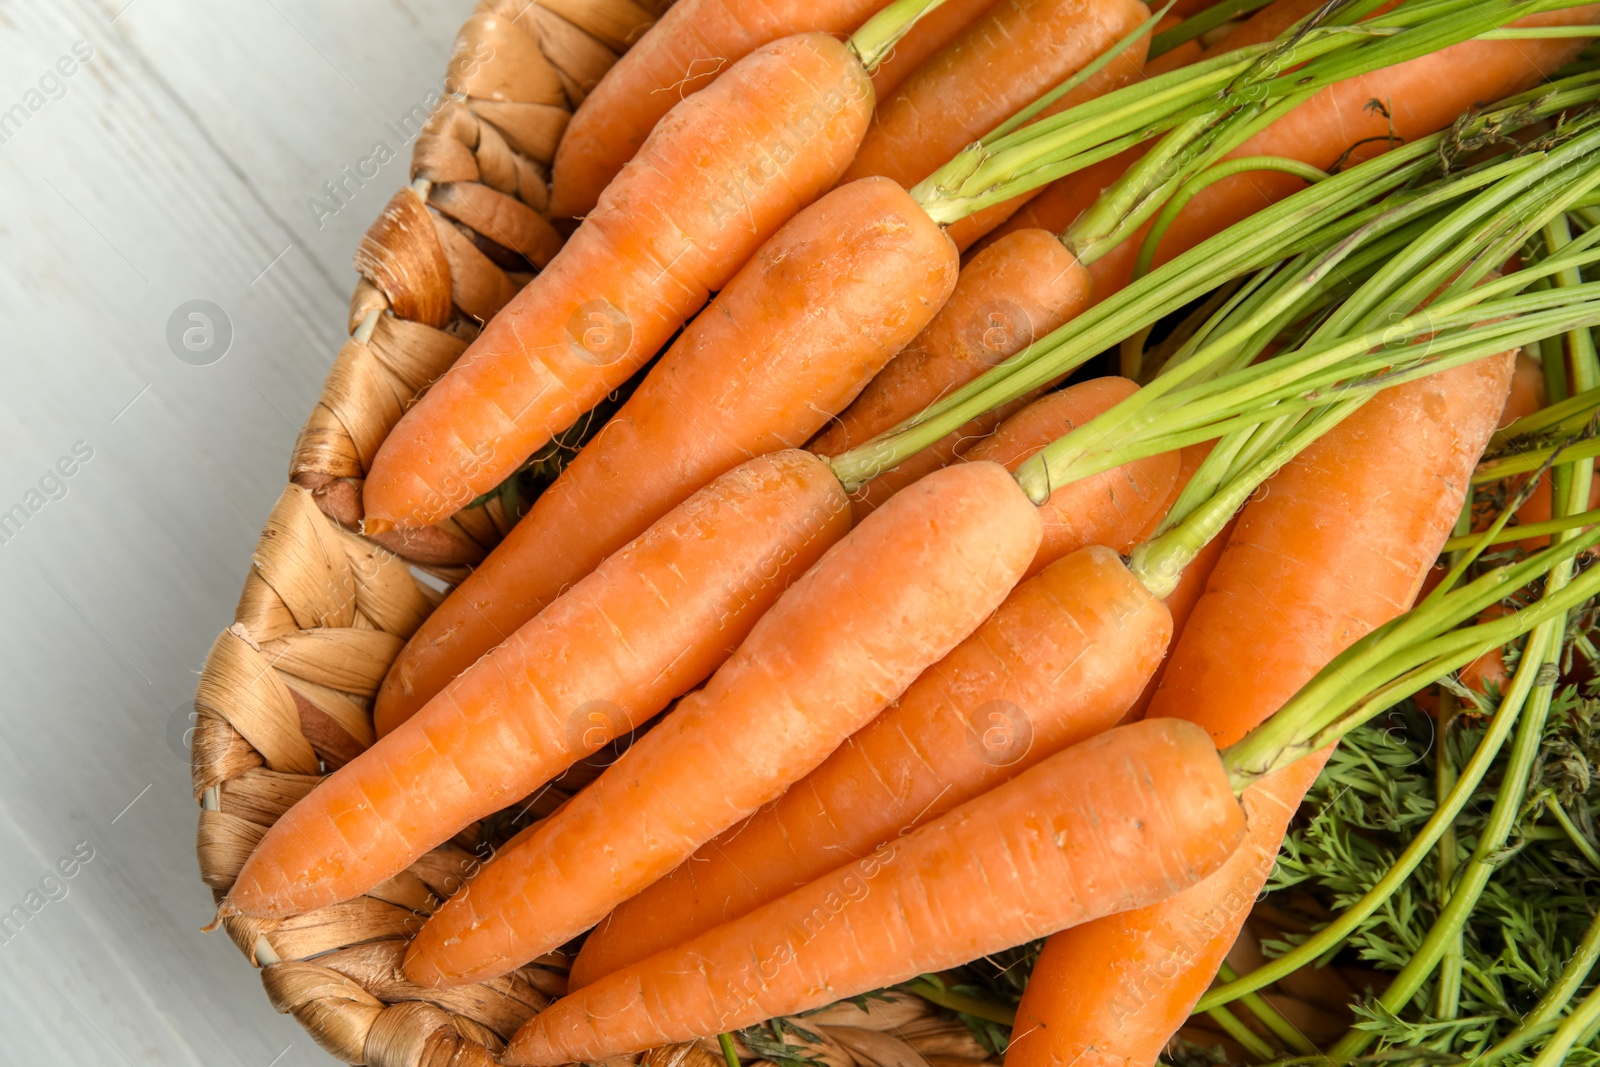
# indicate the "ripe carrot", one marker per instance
pixel 1130 816
pixel 1264 25
pixel 926 39
pixel 892 598
pixel 1004 61
pixel 1194 579
pixel 1421 97
pixel 1110 508
pixel 1007 297
pixel 1057 664
pixel 689 47
pixel 1527 390
pixel 761 369
pixel 1315 562
pixel 719 175
pixel 1165 954
pixel 560 687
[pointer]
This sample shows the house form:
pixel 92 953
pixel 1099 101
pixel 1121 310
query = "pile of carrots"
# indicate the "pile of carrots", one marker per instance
pixel 900 692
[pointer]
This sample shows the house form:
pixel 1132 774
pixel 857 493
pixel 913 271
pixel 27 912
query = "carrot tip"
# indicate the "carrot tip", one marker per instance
pixel 372 526
pixel 224 911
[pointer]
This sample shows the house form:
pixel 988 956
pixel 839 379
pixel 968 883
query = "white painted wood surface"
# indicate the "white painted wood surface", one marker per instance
pixel 173 164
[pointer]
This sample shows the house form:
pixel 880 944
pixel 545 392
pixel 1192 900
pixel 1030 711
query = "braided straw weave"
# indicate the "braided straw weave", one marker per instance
pixel 287 689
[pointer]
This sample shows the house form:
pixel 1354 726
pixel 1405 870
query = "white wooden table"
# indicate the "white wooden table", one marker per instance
pixel 170 159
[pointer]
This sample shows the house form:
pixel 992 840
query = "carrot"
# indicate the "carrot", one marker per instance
pixel 926 39
pixel 1010 57
pixel 716 178
pixel 1130 816
pixel 895 596
pixel 1527 390
pixel 1110 508
pixel 1315 562
pixel 1421 97
pixel 1165 954
pixel 1264 25
pixel 559 688
pixel 1057 664
pixel 1007 296
pixel 1189 8
pixel 1192 582
pixel 759 370
pixel 1181 56
pixel 689 47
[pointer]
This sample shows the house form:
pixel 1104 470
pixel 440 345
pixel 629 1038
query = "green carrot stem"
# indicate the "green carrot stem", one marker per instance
pixel 1494 470
pixel 1159 563
pixel 1200 182
pixel 730 1055
pixel 1564 416
pixel 1543 648
pixel 878 35
pixel 1547 1012
pixel 1575 1028
pixel 1247 1038
pixel 1447 998
pixel 937 992
pixel 1175 284
pixel 1532 33
pixel 1574 835
pixel 1270 1017
pixel 1530 529
pixel 1330 937
pixel 1151 429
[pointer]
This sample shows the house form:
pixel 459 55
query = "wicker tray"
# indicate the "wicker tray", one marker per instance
pixel 287 689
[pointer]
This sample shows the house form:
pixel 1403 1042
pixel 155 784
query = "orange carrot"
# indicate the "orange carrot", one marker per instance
pixel 1006 60
pixel 1189 8
pixel 1057 664
pixel 1421 96
pixel 1110 508
pixel 1127 817
pixel 761 369
pixel 1264 25
pixel 1527 390
pixel 927 38
pixel 719 175
pixel 691 45
pixel 560 687
pixel 1315 562
pixel 1192 582
pixel 892 598
pixel 1006 298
